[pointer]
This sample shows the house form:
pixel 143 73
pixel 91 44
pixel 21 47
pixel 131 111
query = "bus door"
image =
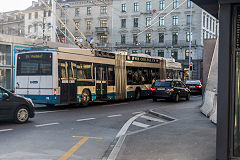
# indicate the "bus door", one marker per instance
pixel 101 82
pixel 67 83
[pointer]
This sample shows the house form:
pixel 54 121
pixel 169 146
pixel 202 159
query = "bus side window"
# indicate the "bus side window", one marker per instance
pixel 129 76
pixel 111 76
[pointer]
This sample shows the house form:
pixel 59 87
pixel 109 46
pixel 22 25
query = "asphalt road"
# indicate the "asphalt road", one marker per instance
pixel 96 132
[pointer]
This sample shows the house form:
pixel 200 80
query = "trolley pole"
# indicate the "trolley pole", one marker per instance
pixel 190 45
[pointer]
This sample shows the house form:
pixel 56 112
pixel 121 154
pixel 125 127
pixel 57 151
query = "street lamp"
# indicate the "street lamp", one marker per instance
pixel 65 6
pixel 190 44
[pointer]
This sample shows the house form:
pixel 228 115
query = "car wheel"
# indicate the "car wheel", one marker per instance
pixel 85 99
pixel 154 99
pixel 21 114
pixel 137 94
pixel 188 97
pixel 176 98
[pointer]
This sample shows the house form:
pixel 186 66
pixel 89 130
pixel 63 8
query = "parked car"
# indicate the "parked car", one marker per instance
pixel 15 107
pixel 195 86
pixel 169 89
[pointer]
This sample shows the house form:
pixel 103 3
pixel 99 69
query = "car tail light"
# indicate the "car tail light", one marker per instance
pixel 152 89
pixel 199 86
pixel 170 90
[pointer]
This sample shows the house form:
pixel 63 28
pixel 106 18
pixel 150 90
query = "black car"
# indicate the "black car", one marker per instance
pixel 169 89
pixel 195 86
pixel 15 107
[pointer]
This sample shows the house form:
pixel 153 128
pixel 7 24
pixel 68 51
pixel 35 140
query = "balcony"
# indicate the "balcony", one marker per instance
pixel 102 30
pixel 166 44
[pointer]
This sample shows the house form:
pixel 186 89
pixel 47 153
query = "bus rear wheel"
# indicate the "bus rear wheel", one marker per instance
pixel 85 99
pixel 137 94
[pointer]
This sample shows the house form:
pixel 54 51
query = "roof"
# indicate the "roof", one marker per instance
pixel 211 6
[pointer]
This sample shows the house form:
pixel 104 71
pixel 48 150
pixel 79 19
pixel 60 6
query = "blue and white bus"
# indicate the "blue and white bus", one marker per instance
pixel 66 76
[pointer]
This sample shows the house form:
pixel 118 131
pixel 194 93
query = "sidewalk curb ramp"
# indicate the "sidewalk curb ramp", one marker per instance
pixel 209 107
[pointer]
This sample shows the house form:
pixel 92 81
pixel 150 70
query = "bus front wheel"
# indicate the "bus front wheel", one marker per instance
pixel 85 99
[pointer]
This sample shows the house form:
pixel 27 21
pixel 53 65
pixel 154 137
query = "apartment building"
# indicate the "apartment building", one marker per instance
pixel 94 18
pixel 162 28
pixel 38 21
pixel 12 23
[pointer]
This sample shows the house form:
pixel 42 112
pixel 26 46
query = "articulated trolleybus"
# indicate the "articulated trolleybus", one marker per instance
pixel 66 76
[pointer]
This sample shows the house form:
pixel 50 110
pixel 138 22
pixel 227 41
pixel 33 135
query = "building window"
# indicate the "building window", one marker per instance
pixel 77 24
pixel 213 26
pixel 175 20
pixel 207 21
pixel 49 13
pixel 103 39
pixel 123 39
pixel 103 23
pixel 36 15
pixel 77 12
pixel 189 4
pixel 103 10
pixel 148 38
pixel 35 28
pixel 136 7
pixel 189 20
pixel 174 38
pixel 161 37
pixel 162 5
pixel 204 20
pixel 161 21
pixel 124 8
pixel 187 54
pixel 89 10
pixel 89 23
pixel 188 36
pixel 175 3
pixel 148 21
pixel 29 28
pixel 149 6
pixel 30 16
pixel 135 22
pixel 161 53
pixel 62 13
pixel 135 39
pixel 203 34
pixel 44 13
pixel 174 53
pixel 123 23
pixel 210 24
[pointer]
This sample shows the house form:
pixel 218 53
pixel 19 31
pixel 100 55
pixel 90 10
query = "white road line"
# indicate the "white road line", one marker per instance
pixel 117 115
pixel 116 104
pixel 48 124
pixel 127 124
pixel 5 130
pixel 140 124
pixel 137 112
pixel 86 119
pixel 51 111
pixel 152 119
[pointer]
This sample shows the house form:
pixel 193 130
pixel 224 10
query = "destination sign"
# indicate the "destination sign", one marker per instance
pixel 238 28
pixel 142 59
pixel 35 56
pixel 104 54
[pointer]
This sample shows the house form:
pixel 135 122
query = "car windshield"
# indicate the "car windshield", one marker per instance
pixel 193 82
pixel 163 84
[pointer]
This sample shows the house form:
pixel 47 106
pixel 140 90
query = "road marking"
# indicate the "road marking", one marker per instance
pixel 86 119
pixel 140 124
pixel 116 104
pixel 76 146
pixel 5 130
pixel 117 115
pixel 127 124
pixel 137 112
pixel 51 111
pixel 152 119
pixel 48 124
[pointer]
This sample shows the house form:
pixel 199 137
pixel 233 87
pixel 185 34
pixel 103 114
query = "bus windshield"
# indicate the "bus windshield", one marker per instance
pixel 34 64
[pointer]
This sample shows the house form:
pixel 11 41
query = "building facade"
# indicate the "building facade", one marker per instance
pixel 94 18
pixel 162 28
pixel 12 23
pixel 38 21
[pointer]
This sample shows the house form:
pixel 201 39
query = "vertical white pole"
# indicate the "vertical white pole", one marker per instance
pixel 53 35
pixel 190 44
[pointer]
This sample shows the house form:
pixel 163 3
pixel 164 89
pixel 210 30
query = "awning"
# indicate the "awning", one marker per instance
pixel 211 6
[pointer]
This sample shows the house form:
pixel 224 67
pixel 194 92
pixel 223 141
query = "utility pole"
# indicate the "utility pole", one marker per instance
pixel 190 45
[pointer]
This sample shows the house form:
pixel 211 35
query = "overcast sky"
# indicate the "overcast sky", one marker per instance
pixel 10 5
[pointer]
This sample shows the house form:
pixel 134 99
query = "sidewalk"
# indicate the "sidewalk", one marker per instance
pixel 191 137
